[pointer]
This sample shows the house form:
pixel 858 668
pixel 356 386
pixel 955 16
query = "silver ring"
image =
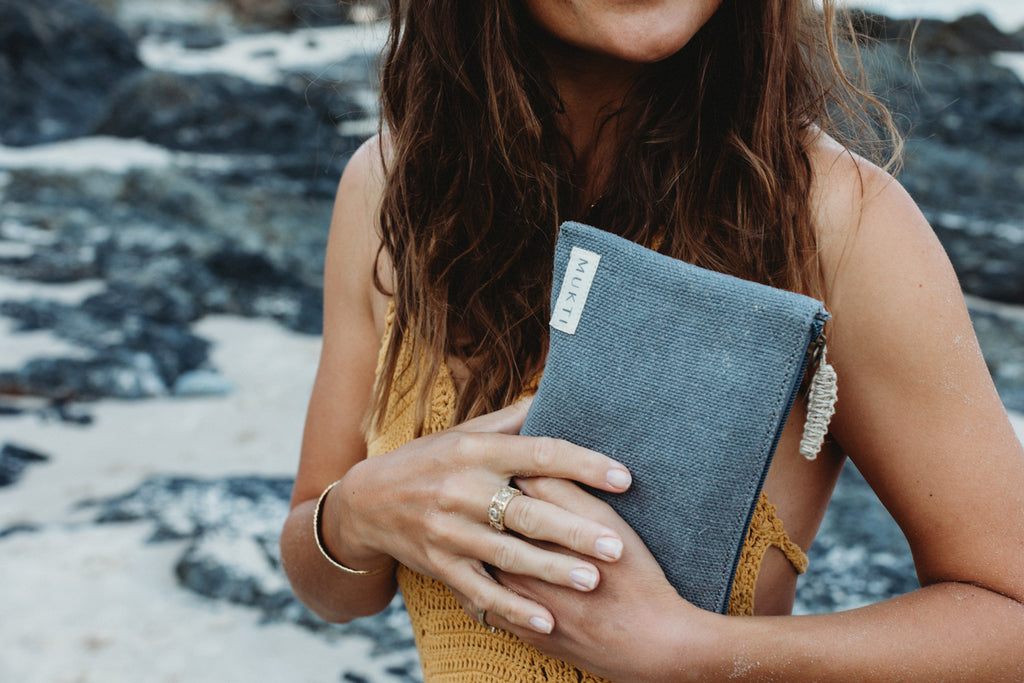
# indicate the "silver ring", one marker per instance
pixel 500 501
pixel 481 616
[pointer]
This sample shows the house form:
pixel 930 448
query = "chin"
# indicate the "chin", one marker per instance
pixel 649 37
pixel 644 32
pixel 643 55
pixel 645 49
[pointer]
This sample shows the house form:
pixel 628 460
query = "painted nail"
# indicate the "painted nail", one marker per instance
pixel 584 579
pixel 608 547
pixel 619 479
pixel 541 625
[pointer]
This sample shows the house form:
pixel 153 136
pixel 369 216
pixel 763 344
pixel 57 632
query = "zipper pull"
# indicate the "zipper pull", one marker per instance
pixel 821 401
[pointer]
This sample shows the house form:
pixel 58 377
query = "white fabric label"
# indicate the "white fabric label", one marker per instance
pixel 579 275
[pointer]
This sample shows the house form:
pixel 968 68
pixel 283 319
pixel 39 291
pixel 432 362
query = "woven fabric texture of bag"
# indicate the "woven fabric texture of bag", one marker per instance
pixel 684 375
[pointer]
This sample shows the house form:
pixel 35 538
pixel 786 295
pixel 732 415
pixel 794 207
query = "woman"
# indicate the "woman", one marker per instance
pixel 702 128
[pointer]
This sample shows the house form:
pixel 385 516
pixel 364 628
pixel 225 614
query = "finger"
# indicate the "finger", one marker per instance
pixel 467 606
pixel 551 520
pixel 534 456
pixel 489 618
pixel 508 420
pixel 480 590
pixel 567 495
pixel 524 587
pixel 517 556
pixel 500 623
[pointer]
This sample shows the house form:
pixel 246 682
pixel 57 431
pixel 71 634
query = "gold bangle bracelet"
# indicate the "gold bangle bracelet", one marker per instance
pixel 318 534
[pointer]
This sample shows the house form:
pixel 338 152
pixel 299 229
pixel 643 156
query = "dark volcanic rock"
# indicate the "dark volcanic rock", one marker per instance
pixel 66 70
pixel 57 264
pixel 208 113
pixel 288 14
pixel 331 96
pixel 169 249
pixel 296 134
pixel 284 14
pixel 972 34
pixel 58 61
pixel 1002 339
pixel 969 102
pixel 161 304
pixel 13 461
pixel 7 410
pixel 231 527
pixel 67 412
pixel 265 290
pixel 7 532
pixel 988 257
pixel 962 161
pixel 186 507
pixel 116 373
pixel 140 348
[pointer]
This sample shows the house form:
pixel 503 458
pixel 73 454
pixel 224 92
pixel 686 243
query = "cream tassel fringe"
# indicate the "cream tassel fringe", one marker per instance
pixel 821 405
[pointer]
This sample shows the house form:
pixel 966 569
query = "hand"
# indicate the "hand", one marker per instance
pixel 425 504
pixel 620 629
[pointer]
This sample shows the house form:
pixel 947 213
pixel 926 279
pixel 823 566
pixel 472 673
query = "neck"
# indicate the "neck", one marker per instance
pixel 593 89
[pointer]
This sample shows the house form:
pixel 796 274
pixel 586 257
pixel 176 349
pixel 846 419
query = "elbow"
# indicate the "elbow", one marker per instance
pixel 334 611
pixel 332 614
pixel 335 599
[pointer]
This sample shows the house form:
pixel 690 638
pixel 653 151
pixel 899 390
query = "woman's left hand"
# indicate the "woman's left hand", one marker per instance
pixel 633 626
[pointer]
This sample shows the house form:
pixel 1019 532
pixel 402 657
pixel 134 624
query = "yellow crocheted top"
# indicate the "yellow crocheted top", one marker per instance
pixel 454 647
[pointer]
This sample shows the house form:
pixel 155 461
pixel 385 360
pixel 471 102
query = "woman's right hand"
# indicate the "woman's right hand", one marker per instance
pixel 425 504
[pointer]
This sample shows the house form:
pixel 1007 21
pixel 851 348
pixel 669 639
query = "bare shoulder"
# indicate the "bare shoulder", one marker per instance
pixel 362 182
pixel 856 203
pixel 869 230
pixel 355 234
pixel 917 409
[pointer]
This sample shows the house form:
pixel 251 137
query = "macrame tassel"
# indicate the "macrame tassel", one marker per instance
pixel 821 404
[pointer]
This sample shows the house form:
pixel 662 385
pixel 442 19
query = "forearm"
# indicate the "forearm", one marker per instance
pixel 327 590
pixel 946 631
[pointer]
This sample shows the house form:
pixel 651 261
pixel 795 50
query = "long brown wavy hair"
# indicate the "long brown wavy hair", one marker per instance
pixel 479 176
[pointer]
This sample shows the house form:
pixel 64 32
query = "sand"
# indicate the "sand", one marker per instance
pixel 88 603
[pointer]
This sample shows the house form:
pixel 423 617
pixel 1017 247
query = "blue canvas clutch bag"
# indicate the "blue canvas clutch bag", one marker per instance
pixel 684 375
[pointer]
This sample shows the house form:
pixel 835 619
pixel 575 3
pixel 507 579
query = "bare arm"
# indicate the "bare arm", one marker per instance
pixel 921 419
pixel 332 440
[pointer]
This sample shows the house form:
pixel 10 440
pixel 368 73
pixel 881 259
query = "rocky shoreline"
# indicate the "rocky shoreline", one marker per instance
pixel 170 191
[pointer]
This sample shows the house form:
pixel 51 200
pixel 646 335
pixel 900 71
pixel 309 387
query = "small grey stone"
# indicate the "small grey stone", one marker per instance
pixel 202 383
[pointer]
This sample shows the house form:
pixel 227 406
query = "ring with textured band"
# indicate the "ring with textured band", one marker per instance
pixel 481 616
pixel 500 501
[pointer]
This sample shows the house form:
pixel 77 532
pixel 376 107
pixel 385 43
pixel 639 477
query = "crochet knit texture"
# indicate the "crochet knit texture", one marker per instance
pixel 454 647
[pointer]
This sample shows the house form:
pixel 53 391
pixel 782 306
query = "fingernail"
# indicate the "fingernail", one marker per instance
pixel 618 479
pixel 541 625
pixel 584 579
pixel 608 547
